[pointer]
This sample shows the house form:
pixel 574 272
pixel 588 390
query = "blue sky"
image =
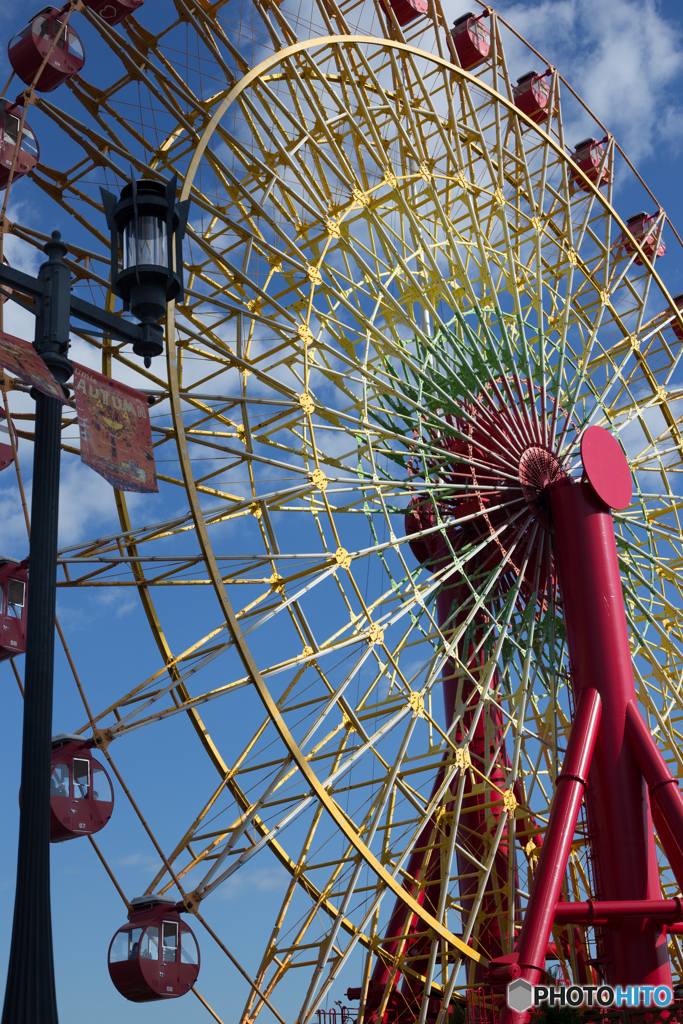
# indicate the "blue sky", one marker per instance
pixel 626 60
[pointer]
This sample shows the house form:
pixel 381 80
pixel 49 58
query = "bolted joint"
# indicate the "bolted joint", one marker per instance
pixel 189 903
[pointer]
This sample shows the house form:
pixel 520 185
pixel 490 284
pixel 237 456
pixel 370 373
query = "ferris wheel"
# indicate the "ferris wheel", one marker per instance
pixel 408 303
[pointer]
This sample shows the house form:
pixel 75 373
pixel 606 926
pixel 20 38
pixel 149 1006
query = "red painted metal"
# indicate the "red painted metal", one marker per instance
pixel 485 736
pixel 645 229
pixel 675 326
pixel 114 11
pixel 606 468
pixel 632 935
pixel 28 49
pixel 399 934
pixel 6 453
pixel 674 852
pixel 81 793
pixel 472 40
pixel 552 864
pixel 531 95
pixel 154 956
pixel 588 157
pixel 664 791
pixel 29 152
pixel 481 1005
pixel 406 11
pixel 504 968
pixel 13 599
pixel 477 515
pixel 623 845
pixel 591 911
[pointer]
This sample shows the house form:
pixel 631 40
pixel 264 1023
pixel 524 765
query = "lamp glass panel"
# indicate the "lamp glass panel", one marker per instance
pixel 145 242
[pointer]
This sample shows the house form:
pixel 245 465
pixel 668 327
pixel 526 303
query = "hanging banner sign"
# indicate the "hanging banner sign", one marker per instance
pixel 21 359
pixel 116 436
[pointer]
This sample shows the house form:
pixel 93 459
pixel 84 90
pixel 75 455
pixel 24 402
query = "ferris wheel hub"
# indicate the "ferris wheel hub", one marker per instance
pixel 538 469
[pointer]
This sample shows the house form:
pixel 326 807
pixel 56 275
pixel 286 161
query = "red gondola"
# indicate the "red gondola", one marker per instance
pixel 531 94
pixel 588 157
pixel 29 154
pixel 13 592
pixel 6 453
pixel 28 49
pixel 675 327
pixel 113 11
pixel 155 955
pixel 81 796
pixel 645 229
pixel 472 40
pixel 406 11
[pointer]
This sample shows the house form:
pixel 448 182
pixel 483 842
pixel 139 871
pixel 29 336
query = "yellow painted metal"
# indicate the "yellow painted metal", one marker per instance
pixel 269 704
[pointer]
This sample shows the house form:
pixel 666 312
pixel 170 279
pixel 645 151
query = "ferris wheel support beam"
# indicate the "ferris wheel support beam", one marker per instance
pixel 619 815
pixel 543 902
pixel 624 759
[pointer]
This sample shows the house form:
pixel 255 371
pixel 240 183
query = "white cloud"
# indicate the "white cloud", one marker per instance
pixel 86 503
pixel 139 860
pixel 107 597
pixel 14 538
pixel 260 880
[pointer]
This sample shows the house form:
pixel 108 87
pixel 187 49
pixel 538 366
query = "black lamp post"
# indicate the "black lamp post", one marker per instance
pixel 151 226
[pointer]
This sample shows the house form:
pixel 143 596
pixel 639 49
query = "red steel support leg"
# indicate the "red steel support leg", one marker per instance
pixel 623 843
pixel 552 864
pixel 662 785
pixel 477 809
pixel 401 923
pixel 674 853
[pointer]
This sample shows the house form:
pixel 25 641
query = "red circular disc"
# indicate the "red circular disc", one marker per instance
pixel 606 467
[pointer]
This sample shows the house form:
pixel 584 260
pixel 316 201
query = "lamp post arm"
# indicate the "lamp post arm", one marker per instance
pixel 20 281
pixel 119 328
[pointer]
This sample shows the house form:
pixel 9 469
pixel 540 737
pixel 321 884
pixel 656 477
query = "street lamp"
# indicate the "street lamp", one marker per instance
pixel 151 226
pixel 144 223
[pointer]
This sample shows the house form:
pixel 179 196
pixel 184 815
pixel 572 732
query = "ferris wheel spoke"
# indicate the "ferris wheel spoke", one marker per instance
pixel 370 830
pixel 210 883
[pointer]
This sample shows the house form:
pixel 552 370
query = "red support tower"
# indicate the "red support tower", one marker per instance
pixel 625 769
pixel 612 762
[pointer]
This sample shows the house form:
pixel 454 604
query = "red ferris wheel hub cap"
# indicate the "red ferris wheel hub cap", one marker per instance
pixel 606 467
